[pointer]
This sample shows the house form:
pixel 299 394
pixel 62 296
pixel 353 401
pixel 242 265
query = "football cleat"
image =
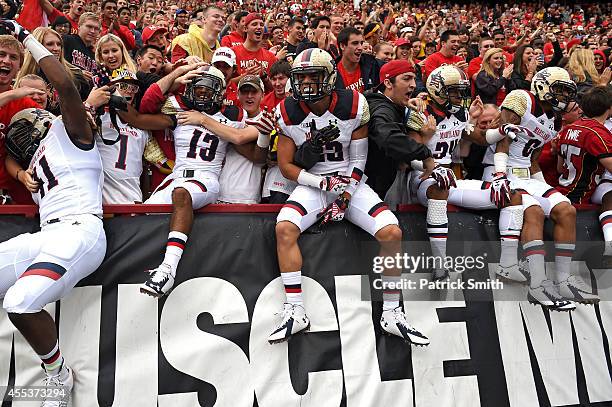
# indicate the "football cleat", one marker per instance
pixel 393 322
pixel 440 274
pixel 575 289
pixel 513 273
pixel 293 320
pixel 547 295
pixel 160 281
pixel 58 390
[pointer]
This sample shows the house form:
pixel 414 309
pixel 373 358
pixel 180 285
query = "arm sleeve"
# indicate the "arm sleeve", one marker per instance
pixel 391 138
pixel 152 100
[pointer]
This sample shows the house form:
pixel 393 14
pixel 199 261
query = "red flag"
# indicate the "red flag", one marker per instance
pixel 32 15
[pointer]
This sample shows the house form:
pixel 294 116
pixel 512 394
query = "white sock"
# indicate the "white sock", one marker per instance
pixel 292 281
pixel 510 225
pixel 534 251
pixel 605 220
pixel 437 227
pixel 391 296
pixel 174 249
pixel 563 260
pixel 53 361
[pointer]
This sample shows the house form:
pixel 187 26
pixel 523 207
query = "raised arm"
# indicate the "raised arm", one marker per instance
pixel 73 114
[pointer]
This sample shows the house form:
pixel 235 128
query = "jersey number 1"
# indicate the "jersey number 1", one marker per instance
pixel 51 180
pixel 206 153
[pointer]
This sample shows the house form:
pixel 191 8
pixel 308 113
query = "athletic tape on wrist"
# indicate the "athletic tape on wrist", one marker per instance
pixel 37 50
pixel 308 179
pixel 493 136
pixel 500 160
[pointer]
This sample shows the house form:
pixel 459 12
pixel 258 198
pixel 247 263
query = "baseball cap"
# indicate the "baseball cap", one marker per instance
pixel 150 31
pixel 123 75
pixel 394 68
pixel 251 80
pixel 224 54
pixel 401 41
pixel 406 30
pixel 252 17
pixel 180 11
pixel 571 44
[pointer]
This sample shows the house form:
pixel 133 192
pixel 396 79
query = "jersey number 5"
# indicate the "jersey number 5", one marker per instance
pixel 51 180
pixel 206 153
pixel 569 170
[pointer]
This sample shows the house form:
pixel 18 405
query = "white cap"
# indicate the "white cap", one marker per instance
pixel 224 54
pixel 406 30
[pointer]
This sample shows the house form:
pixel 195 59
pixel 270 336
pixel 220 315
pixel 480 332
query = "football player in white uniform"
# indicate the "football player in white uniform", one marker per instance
pixel 533 116
pixel 122 146
pixel 58 161
pixel 332 189
pixel 194 181
pixel 603 197
pixel 449 91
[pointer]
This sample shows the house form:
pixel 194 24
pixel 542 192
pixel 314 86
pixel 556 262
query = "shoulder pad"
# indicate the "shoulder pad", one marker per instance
pixel 345 104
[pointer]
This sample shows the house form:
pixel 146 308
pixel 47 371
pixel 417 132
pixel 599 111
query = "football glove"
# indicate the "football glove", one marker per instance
pixel 500 190
pixel 335 183
pixel 510 130
pixel 265 124
pixel 444 177
pixel 11 27
pixel 334 211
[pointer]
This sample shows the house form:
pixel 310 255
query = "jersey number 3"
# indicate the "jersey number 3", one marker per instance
pixel 206 153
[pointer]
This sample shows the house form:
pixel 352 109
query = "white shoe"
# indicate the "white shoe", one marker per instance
pixel 293 320
pixel 394 322
pixel 160 281
pixel 58 391
pixel 547 295
pixel 575 289
pixel 513 272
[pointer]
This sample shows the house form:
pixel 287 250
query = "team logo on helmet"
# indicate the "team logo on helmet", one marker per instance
pixel 25 132
pixel 449 87
pixel 554 85
pixel 313 75
pixel 205 92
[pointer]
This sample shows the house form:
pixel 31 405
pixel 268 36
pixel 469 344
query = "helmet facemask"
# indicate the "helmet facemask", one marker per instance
pixel 316 88
pixel 205 94
pixel 560 95
pixel 458 98
pixel 23 137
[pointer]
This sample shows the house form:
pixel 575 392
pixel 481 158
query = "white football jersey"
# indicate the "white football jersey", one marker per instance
pixel 122 161
pixel 348 110
pixel 196 147
pixel 70 177
pixel 540 129
pixel 240 179
pixel 449 130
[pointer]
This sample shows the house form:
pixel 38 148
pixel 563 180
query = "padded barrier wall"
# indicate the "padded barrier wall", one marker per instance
pixel 205 344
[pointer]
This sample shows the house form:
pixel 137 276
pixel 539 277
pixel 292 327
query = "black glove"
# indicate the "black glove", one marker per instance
pixel 11 27
pixel 309 153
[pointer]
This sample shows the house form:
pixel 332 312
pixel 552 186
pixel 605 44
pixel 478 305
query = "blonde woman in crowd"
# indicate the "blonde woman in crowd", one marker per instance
pixel 51 40
pixel 492 79
pixel 581 67
pixel 112 54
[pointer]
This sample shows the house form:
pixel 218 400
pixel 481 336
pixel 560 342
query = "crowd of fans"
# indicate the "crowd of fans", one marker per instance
pixel 124 47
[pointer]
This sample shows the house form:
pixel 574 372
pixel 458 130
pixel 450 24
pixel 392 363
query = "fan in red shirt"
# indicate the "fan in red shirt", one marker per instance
pixel 11 102
pixel 110 24
pixel 236 37
pixel 585 148
pixel 447 55
pixel 77 7
pixel 251 58
pixel 279 77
